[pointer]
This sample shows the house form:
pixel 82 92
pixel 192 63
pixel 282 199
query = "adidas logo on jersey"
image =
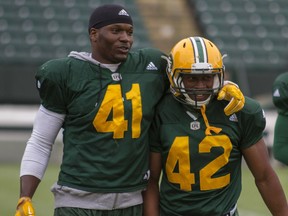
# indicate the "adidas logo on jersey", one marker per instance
pixel 123 13
pixel 276 93
pixel 151 66
pixel 233 118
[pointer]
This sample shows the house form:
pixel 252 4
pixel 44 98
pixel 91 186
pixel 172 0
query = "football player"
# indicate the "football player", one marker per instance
pixel 198 148
pixel 105 102
pixel 280 100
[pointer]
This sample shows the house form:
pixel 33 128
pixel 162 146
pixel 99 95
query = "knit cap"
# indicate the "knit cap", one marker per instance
pixel 109 14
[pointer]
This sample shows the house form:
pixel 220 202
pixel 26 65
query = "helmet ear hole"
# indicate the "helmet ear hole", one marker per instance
pixel 194 55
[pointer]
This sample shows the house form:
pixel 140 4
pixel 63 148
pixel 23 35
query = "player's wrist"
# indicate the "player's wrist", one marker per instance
pixel 24 199
pixel 25 207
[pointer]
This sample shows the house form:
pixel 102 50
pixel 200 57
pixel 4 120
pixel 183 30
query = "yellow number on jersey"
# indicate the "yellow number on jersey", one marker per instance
pixel 135 97
pixel 179 154
pixel 113 103
pixel 207 182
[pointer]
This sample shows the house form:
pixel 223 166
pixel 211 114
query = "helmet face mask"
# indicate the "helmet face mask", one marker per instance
pixel 198 60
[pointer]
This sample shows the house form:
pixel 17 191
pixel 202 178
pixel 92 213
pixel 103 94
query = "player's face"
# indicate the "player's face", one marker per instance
pixel 112 43
pixel 200 82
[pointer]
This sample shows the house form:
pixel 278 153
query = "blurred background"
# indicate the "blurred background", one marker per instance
pixel 253 34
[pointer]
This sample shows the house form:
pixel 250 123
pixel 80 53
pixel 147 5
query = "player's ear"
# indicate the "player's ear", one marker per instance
pixel 93 34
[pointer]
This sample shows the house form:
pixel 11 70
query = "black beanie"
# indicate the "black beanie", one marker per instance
pixel 109 14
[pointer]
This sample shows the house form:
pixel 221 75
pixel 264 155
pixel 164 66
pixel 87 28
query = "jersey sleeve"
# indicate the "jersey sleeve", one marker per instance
pixel 155 143
pixel 280 93
pixel 155 138
pixel 159 59
pixel 252 123
pixel 50 82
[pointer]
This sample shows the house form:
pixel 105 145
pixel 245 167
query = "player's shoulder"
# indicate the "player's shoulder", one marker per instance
pixel 58 67
pixel 168 102
pixel 281 79
pixel 150 51
pixel 251 106
pixel 148 54
pixel 280 93
pixel 252 112
pixel 60 63
pixel 147 61
pixel 53 66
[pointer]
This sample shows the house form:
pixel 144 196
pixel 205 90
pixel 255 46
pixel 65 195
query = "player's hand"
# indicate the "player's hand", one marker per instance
pixel 25 207
pixel 231 92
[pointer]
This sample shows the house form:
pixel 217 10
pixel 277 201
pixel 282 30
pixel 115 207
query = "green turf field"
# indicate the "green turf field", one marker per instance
pixel 250 203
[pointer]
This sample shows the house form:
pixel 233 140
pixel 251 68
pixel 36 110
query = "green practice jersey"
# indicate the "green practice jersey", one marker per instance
pixel 280 100
pixel 107 118
pixel 202 173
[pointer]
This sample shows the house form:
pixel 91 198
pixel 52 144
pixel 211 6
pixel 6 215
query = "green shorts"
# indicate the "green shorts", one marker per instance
pixel 68 211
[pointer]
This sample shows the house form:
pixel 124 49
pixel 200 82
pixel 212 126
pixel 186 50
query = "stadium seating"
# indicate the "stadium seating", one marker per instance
pixel 254 35
pixel 33 31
